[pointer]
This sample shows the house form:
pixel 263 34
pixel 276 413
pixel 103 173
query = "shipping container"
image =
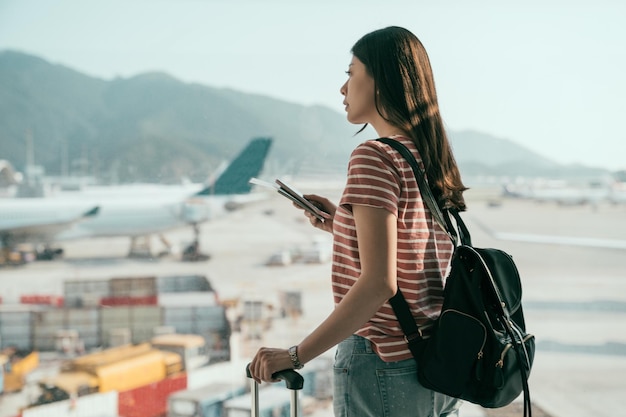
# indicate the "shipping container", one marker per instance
pixel 48 323
pixel 129 301
pixel 86 293
pixel 86 321
pixel 133 287
pixel 42 299
pixel 16 327
pixel 140 320
pixel 133 372
pixel 118 337
pixel 191 348
pixel 209 322
pixel 144 320
pixel 183 283
pixel 113 318
pixel 181 299
pixel 195 319
pixel 150 400
pixel 116 369
pixel 91 361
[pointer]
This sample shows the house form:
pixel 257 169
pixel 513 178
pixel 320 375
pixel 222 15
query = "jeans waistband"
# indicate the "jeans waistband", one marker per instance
pixel 358 344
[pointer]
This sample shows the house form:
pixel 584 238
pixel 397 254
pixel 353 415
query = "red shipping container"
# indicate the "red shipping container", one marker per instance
pixel 150 400
pixel 148 300
pixel 38 299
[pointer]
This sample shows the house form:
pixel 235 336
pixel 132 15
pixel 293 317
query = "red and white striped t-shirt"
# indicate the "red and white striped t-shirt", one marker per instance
pixel 378 176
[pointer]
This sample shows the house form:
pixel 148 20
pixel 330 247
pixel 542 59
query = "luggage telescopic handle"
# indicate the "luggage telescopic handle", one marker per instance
pixel 293 380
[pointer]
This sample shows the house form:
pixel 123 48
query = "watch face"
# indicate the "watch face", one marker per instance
pixel 293 354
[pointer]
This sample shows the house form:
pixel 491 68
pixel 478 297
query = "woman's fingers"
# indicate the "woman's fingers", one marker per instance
pixel 268 361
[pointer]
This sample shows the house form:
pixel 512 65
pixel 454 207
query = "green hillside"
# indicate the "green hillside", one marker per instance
pixel 153 127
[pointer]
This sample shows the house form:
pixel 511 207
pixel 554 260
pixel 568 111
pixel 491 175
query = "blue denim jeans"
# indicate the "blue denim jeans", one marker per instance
pixel 366 386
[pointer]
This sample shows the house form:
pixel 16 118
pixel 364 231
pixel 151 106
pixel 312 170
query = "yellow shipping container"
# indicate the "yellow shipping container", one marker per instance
pixel 132 372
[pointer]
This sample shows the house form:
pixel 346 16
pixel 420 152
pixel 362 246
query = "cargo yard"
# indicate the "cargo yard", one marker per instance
pixel 266 282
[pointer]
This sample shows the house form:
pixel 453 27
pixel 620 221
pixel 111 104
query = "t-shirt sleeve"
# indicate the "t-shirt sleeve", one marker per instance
pixel 373 179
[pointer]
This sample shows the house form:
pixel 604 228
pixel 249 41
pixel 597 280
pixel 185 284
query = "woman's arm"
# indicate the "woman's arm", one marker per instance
pixel 377 240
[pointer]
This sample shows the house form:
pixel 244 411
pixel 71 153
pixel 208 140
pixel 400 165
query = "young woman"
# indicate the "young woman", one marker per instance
pixel 384 236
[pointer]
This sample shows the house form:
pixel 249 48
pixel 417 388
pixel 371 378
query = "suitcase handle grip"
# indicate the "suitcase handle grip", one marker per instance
pixel 293 380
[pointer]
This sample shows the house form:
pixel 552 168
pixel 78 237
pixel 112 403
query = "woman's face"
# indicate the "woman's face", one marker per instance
pixel 359 94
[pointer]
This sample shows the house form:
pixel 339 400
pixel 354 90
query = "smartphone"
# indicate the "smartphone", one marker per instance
pixel 292 194
pixel 297 197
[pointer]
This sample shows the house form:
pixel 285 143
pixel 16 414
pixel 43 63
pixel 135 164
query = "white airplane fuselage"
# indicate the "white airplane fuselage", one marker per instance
pixel 131 210
pixel 123 216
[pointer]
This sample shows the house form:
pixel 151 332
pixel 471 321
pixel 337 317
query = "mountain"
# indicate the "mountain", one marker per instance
pixel 153 127
pixel 480 154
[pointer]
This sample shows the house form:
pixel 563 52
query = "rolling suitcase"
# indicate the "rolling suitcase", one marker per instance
pixel 293 381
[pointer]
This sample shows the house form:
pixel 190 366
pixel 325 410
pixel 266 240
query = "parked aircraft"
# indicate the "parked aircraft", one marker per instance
pixel 559 192
pixel 617 194
pixel 46 221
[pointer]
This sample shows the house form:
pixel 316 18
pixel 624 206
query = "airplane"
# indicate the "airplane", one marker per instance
pixel 51 220
pixel 617 194
pixel 559 192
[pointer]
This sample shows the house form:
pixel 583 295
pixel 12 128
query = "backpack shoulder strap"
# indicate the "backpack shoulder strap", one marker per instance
pixel 429 199
pixel 425 190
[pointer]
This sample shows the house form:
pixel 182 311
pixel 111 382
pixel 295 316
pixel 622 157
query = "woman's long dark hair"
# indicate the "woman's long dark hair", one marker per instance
pixel 407 99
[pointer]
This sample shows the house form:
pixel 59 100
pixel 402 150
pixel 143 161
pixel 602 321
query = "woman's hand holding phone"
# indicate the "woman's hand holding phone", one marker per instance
pixel 319 210
pixel 326 207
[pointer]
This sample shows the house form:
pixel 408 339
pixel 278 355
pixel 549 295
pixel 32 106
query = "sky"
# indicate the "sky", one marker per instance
pixel 549 75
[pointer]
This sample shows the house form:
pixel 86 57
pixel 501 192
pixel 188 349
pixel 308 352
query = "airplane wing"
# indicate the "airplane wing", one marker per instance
pixel 553 239
pixel 563 240
pixel 16 229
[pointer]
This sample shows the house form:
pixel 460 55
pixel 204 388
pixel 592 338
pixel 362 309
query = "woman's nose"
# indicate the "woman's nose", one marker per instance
pixel 344 89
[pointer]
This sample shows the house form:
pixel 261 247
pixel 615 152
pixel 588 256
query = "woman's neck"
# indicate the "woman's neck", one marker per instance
pixel 384 129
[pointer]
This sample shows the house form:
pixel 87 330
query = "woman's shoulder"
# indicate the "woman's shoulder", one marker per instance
pixel 372 145
pixel 371 150
pixel 376 148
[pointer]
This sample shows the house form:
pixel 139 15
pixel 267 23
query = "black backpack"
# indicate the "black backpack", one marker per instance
pixel 478 349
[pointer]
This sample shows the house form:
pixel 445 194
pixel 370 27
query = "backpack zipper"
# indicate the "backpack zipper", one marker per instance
pixel 500 363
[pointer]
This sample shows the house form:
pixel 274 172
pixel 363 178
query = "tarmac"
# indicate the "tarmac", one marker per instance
pixel 574 297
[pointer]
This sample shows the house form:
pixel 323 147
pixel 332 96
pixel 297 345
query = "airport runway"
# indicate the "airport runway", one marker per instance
pixel 574 297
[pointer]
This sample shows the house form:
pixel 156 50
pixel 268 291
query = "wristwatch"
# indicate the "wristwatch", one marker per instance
pixel 293 355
